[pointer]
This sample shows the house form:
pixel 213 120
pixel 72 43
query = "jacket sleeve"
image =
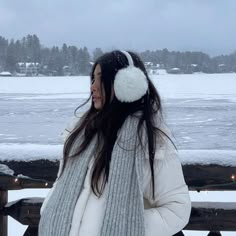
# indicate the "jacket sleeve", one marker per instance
pixel 170 210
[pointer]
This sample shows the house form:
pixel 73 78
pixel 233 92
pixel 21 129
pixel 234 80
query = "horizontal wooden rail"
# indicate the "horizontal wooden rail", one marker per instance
pixel 198 177
pixel 213 216
pixel 9 182
pixel 204 177
pixel 26 211
pixel 209 216
pixel 38 169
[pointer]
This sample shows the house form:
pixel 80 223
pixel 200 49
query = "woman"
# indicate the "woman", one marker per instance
pixel 120 173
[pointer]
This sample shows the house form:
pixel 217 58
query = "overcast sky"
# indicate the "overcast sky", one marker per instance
pixel 206 25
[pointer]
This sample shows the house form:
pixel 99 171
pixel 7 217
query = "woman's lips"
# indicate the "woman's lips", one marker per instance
pixel 96 98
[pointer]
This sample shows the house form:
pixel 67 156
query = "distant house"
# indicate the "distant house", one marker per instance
pixel 148 64
pixel 222 68
pixel 195 68
pixel 66 70
pixel 160 72
pixel 175 71
pixel 194 65
pixel 28 68
pixel 152 69
pixel 5 74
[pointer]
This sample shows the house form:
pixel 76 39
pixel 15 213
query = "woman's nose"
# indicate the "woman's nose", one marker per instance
pixel 93 87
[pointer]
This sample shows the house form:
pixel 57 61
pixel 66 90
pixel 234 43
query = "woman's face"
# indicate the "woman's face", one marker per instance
pixel 97 89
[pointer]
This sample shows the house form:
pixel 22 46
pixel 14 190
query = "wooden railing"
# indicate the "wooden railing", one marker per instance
pixel 207 216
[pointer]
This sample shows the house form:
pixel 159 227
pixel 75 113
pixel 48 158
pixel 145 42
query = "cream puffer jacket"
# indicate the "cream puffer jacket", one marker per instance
pixel 165 216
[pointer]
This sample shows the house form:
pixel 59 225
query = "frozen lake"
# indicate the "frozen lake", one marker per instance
pixel 200 109
pixel 196 123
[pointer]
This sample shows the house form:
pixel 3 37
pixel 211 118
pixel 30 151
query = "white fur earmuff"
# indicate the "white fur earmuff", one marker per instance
pixel 130 83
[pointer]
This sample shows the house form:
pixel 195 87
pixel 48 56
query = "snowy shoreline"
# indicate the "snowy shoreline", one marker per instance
pixel 170 86
pixel 30 152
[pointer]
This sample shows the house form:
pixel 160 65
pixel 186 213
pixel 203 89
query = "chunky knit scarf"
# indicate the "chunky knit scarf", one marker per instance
pixel 124 213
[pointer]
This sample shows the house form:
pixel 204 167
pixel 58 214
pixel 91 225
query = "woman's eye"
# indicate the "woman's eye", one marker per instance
pixel 92 81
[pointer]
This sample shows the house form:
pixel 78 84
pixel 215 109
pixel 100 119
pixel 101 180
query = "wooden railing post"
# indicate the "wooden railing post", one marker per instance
pixel 31 231
pixel 180 233
pixel 214 233
pixel 3 219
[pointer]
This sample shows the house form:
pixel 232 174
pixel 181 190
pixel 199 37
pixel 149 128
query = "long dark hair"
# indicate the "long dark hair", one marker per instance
pixel 106 122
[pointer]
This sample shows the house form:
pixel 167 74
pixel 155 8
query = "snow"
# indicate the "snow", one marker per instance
pixel 5 73
pixel 170 86
pixel 51 96
pixel 161 72
pixel 6 170
pixel 29 151
pixel 202 86
pixel 27 64
pixel 45 85
pixel 31 101
pixel 215 205
pixel 206 157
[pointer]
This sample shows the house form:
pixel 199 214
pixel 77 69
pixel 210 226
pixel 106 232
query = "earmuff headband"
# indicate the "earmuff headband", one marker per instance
pixel 129 58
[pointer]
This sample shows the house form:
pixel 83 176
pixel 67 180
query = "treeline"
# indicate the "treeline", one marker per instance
pixel 71 60
pixel 51 60
pixel 189 62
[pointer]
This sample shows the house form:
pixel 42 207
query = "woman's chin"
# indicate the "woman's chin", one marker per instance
pixel 98 106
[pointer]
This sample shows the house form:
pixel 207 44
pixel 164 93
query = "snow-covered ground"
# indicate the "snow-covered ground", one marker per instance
pixel 200 110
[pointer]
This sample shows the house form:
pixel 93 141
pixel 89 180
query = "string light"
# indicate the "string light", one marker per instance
pixel 207 187
pixel 233 177
pixel 19 180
